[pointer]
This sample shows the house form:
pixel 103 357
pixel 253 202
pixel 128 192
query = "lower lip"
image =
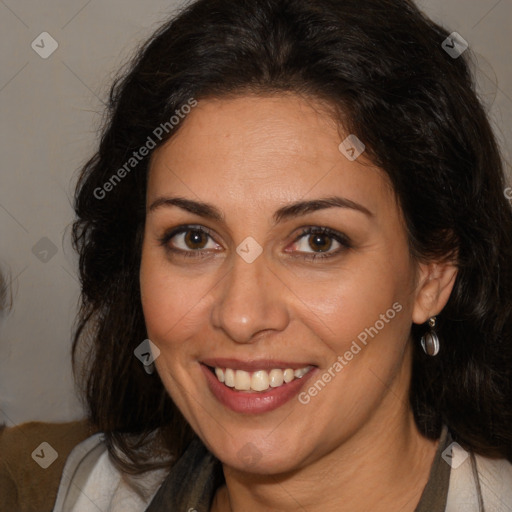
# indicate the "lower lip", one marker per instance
pixel 254 403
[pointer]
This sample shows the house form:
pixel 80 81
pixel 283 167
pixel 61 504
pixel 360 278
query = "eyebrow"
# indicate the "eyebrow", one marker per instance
pixel 296 209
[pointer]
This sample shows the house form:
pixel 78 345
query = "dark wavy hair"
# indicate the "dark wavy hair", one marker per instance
pixel 381 67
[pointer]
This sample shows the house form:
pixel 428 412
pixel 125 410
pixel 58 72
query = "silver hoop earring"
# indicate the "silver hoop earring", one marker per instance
pixel 430 340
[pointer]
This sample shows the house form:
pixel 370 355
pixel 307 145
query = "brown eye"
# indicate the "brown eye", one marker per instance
pixel 190 241
pixel 320 242
pixel 195 239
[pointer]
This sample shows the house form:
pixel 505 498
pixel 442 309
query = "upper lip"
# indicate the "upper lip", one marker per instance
pixel 252 365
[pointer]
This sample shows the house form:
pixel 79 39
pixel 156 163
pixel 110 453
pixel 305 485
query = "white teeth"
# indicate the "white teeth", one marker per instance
pixel 259 380
pixel 220 374
pixel 300 372
pixel 242 380
pixel 288 375
pixel 229 378
pixel 276 378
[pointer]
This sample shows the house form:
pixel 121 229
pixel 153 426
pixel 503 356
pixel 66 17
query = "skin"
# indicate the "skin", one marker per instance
pixel 249 156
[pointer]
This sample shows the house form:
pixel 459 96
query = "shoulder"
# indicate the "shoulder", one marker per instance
pixel 91 482
pixel 32 457
pixel 495 477
pixel 474 474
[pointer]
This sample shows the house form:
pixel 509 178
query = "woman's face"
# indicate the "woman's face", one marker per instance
pixel 285 255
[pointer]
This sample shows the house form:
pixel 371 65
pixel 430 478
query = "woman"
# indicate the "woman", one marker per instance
pixel 296 257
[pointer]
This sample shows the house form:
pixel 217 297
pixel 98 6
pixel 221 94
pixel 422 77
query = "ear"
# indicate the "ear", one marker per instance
pixel 435 284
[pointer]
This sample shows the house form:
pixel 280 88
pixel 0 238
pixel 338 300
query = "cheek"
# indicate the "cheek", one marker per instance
pixel 356 300
pixel 171 306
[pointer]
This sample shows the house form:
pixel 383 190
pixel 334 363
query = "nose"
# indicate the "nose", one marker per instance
pixel 250 300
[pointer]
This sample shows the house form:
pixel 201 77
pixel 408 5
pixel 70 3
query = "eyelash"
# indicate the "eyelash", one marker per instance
pixel 343 240
pixel 168 236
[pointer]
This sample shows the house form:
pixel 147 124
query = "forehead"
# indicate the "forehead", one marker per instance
pixel 255 151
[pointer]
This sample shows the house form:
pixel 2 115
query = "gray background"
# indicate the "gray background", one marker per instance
pixel 51 110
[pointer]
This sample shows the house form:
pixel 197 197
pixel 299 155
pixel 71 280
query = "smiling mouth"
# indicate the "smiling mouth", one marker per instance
pixel 258 381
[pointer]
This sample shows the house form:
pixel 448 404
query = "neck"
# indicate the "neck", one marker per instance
pixel 378 468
